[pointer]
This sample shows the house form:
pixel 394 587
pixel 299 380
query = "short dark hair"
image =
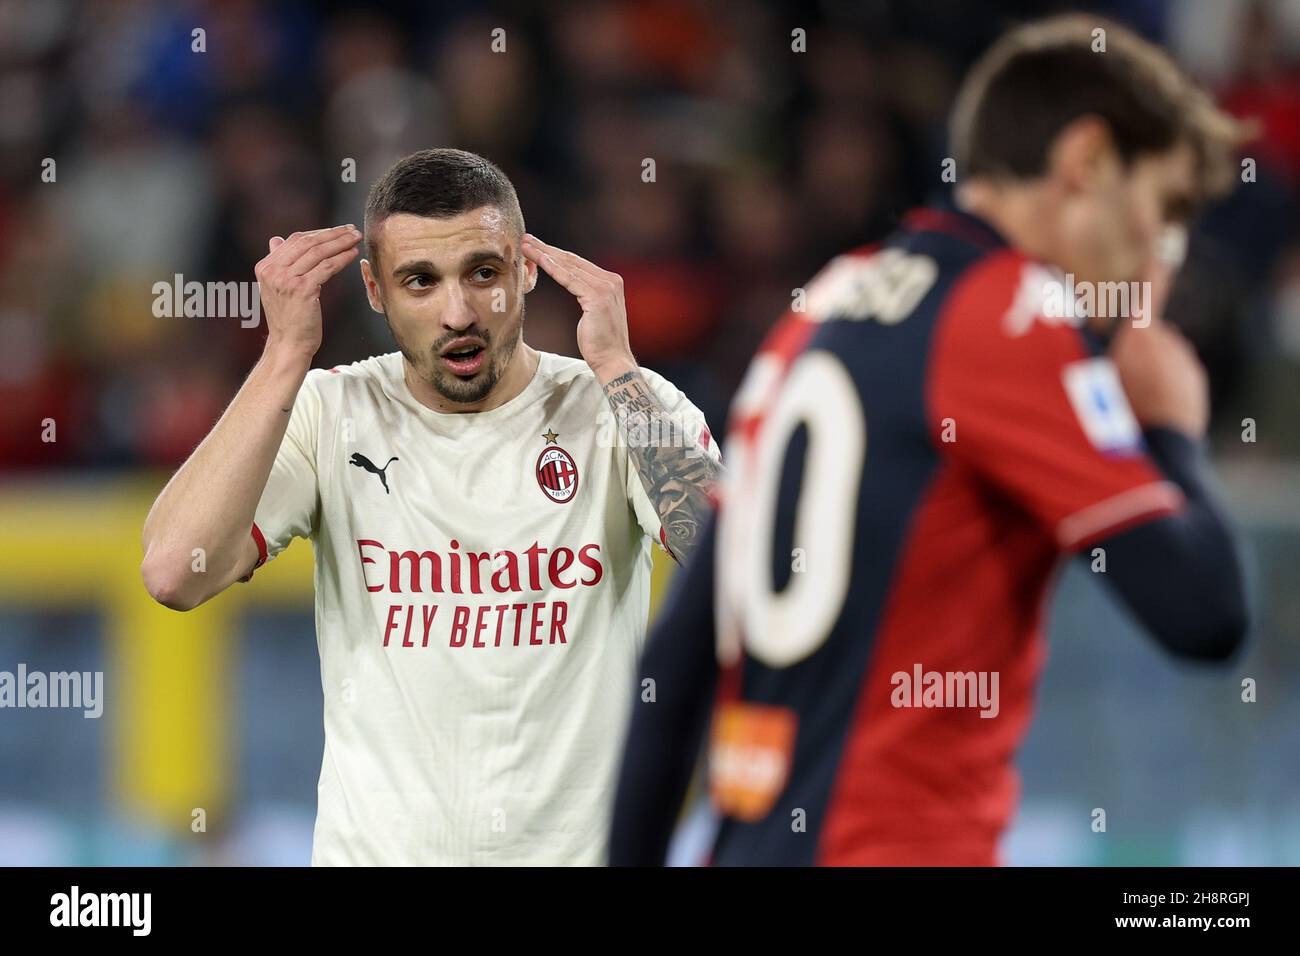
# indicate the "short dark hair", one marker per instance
pixel 439 184
pixel 1043 75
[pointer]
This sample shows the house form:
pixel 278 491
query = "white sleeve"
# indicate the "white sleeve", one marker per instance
pixel 290 502
pixel 687 428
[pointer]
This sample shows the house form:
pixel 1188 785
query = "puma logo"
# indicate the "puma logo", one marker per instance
pixel 361 461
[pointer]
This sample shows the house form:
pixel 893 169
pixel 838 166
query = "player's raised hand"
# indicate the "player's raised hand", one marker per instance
pixel 1163 378
pixel 602 330
pixel 290 279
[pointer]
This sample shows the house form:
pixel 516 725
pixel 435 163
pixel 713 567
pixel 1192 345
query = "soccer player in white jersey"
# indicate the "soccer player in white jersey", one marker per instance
pixel 482 515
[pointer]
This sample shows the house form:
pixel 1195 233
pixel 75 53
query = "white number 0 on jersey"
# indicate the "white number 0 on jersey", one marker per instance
pixel 781 629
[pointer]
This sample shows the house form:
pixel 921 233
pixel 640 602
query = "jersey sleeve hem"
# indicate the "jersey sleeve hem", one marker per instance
pixel 1113 514
pixel 260 540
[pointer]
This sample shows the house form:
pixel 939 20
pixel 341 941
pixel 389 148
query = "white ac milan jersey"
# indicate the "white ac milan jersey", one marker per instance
pixel 482 585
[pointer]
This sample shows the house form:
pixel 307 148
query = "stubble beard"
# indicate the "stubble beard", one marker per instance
pixel 455 388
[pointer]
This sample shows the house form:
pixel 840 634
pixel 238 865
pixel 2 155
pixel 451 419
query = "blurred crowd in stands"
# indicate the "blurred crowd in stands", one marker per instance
pixel 767 162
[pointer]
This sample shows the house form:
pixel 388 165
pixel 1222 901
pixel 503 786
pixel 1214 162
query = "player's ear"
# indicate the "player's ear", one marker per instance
pixel 1082 153
pixel 372 287
pixel 530 273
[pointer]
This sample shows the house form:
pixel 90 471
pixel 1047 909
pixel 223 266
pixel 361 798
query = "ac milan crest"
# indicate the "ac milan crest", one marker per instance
pixel 557 474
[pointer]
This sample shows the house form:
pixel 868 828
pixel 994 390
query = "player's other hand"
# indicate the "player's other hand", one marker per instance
pixel 602 330
pixel 290 279
pixel 1164 380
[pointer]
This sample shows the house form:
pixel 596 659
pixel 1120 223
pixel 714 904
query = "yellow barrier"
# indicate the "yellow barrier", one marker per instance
pixel 67 543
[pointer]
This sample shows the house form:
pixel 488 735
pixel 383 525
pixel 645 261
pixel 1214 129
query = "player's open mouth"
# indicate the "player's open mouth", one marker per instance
pixel 464 359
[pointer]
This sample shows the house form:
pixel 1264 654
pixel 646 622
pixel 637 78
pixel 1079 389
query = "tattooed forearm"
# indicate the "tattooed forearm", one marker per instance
pixel 677 474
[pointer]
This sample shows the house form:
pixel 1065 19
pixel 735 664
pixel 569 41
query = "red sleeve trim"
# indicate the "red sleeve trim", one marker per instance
pixel 1117 513
pixel 663 539
pixel 260 540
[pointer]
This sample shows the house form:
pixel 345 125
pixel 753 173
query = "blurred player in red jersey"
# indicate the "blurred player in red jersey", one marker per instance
pixel 955 411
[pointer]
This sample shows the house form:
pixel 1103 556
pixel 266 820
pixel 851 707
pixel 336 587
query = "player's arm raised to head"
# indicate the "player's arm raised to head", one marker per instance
pixel 1059 431
pixel 1181 575
pixel 678 478
pixel 210 502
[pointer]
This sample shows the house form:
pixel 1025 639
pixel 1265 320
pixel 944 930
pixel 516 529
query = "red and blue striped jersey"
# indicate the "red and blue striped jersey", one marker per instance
pixel 914 449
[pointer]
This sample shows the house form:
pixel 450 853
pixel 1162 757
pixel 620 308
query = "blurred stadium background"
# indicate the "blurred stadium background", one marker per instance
pixel 768 162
